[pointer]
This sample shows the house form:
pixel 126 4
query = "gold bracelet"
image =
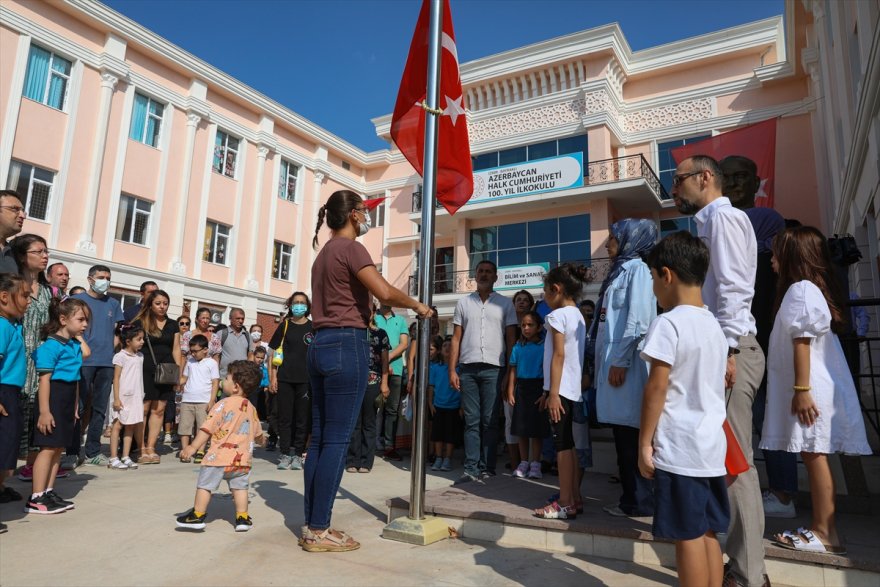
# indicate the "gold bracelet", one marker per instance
pixel 801 387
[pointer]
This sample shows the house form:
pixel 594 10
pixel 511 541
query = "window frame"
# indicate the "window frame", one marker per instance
pixel 209 254
pixel 28 196
pixel 278 256
pixel 135 212
pixel 683 141
pixel 495 253
pixel 284 178
pixel 51 71
pixel 225 149
pixel 160 119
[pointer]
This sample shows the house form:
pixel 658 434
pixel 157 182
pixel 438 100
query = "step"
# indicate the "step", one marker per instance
pixel 500 511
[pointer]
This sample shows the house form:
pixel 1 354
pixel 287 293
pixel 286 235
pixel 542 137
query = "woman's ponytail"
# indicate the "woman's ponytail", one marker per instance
pixel 321 212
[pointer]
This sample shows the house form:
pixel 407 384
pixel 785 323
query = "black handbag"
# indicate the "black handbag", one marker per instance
pixel 166 373
pixel 844 250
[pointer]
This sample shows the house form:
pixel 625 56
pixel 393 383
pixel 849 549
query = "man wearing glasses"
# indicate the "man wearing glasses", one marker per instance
pixel 728 292
pixel 12 217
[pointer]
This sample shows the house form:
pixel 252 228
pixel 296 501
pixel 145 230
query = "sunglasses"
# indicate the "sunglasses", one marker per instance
pixel 183 323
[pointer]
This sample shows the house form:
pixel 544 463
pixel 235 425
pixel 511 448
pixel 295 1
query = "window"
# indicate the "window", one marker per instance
pixel 346 165
pixel 444 270
pixel 287 181
pixel 146 120
pixel 377 214
pixel 225 154
pixel 665 162
pixel 670 225
pixel 554 240
pixel 281 261
pixel 47 78
pixel 133 221
pixel 216 243
pixel 34 185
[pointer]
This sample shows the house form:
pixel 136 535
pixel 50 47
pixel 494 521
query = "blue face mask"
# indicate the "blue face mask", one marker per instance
pixel 299 310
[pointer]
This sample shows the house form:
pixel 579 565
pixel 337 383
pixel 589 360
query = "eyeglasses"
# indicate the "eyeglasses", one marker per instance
pixel 677 179
pixel 41 252
pixel 183 323
pixel 15 209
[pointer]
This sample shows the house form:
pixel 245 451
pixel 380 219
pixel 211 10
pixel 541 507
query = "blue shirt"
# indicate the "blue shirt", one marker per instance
pixel 394 327
pixel 264 382
pixel 528 358
pixel 444 396
pixel 62 357
pixel 106 313
pixel 13 366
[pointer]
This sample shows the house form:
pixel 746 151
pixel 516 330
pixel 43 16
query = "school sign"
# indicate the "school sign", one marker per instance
pixel 526 179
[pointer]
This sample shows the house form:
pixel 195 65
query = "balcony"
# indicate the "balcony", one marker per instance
pixel 629 182
pixel 462 282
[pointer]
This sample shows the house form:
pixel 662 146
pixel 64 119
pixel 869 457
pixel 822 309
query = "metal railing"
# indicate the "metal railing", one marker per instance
pixel 861 355
pixel 461 282
pixel 600 172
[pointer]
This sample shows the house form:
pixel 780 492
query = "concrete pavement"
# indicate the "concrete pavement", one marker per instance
pixel 123 532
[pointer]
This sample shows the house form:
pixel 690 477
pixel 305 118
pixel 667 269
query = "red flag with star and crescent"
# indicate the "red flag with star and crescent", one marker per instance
pixel 455 176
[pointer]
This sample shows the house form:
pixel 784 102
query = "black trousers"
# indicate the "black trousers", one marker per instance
pixel 293 405
pixel 638 493
pixel 363 438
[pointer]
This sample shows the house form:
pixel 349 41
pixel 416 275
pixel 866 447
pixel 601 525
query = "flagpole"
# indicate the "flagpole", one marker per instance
pixel 426 257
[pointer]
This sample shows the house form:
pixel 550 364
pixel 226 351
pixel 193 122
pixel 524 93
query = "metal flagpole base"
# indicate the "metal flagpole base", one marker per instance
pixel 418 532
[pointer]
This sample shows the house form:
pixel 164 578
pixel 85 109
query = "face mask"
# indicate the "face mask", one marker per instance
pixel 256 336
pixel 299 310
pixel 101 286
pixel 364 227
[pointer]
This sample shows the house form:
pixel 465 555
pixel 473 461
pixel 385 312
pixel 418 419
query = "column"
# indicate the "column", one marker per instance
pixel 250 282
pixel 86 243
pixel 192 125
pixel 316 198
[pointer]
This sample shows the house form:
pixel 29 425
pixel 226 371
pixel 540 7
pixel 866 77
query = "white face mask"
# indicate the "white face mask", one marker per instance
pixel 256 336
pixel 364 227
pixel 101 286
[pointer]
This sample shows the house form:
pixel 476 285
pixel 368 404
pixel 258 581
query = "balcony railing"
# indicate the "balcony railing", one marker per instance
pixel 605 171
pixel 461 282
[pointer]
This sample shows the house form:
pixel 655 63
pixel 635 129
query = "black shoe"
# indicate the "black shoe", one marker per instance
pixel 270 446
pixel 192 521
pixel 392 455
pixel 3 528
pixel 67 505
pixel 9 494
pixel 43 505
pixel 243 524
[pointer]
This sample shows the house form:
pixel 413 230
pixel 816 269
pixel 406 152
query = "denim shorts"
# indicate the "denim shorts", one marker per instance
pixel 687 507
pixel 210 478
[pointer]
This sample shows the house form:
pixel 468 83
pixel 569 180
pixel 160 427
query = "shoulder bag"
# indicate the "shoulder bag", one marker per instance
pixel 166 373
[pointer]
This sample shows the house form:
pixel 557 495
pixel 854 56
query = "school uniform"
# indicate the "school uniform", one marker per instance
pixel 62 357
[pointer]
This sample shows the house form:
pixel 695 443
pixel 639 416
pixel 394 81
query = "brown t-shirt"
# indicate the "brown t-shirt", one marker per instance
pixel 339 299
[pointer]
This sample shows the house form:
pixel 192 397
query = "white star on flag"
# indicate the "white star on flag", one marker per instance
pixel 453 108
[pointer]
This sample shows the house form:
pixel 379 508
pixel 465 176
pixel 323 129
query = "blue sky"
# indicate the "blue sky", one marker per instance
pixel 338 62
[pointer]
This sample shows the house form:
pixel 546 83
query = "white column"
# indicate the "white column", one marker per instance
pixel 192 125
pixel 316 199
pixel 86 242
pixel 250 282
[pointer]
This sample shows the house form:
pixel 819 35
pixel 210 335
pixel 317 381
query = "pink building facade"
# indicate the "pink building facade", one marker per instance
pixel 136 154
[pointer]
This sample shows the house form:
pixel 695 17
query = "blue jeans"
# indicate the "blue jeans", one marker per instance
pixel 480 402
pixel 338 360
pixel 94 386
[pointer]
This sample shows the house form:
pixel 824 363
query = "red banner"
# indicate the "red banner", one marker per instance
pixel 756 141
pixel 455 176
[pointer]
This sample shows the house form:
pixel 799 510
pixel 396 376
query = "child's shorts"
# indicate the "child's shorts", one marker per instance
pixel 192 416
pixel 11 426
pixel 446 425
pixel 563 438
pixel 210 478
pixel 62 405
pixel 686 508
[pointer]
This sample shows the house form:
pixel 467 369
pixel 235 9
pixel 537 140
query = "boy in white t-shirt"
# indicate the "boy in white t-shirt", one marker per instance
pixel 681 442
pixel 200 380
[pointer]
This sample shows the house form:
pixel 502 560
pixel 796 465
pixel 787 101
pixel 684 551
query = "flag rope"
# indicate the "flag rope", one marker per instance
pixel 426 108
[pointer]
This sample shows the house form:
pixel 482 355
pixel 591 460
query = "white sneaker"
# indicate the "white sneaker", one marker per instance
pixel 774 508
pixel 535 470
pixel 168 439
pixel 521 470
pixel 115 463
pixel 129 463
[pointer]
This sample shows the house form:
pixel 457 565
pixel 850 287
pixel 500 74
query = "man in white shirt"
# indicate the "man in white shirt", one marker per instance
pixel 485 329
pixel 728 292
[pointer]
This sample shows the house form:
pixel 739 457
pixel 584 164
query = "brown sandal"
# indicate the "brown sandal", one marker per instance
pixel 328 540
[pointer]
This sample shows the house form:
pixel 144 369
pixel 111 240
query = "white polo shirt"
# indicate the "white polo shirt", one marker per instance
pixel 483 325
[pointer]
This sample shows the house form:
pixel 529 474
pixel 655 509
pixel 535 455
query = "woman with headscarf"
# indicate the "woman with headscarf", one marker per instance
pixel 626 307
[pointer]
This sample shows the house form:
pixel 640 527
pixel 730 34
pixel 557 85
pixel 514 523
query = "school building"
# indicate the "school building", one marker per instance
pixel 133 152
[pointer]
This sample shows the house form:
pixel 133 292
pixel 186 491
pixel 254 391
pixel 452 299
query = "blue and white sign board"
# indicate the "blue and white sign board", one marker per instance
pixel 522 276
pixel 526 179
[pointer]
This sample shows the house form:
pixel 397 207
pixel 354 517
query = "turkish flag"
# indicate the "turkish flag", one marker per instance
pixel 756 141
pixel 373 203
pixel 455 175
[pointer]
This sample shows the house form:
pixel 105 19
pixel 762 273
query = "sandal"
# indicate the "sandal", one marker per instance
pixel 328 541
pixel 578 505
pixel 554 511
pixel 804 540
pixel 351 470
